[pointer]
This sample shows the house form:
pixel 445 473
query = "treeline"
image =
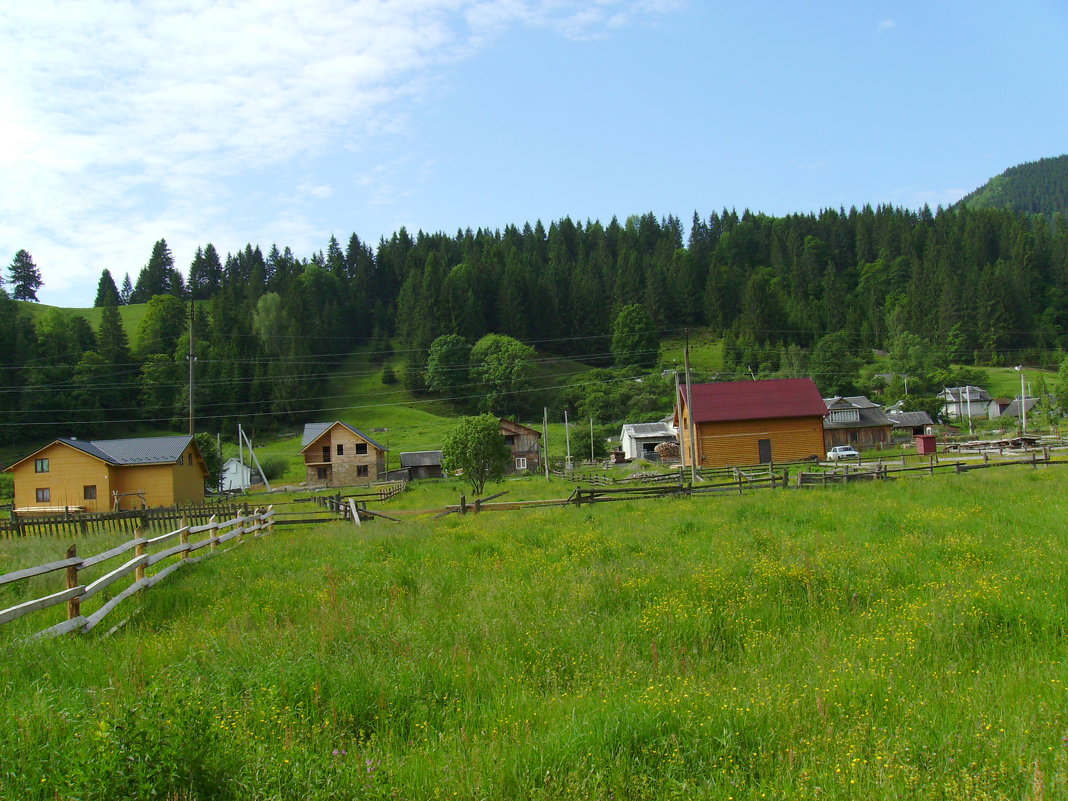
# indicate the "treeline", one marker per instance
pixel 978 286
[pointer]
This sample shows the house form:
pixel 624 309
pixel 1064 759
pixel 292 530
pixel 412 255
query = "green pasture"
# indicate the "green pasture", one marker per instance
pixel 900 640
pixel 706 353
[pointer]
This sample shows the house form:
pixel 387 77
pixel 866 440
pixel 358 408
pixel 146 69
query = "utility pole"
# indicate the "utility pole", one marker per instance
pixel 241 457
pixel 682 450
pixel 545 439
pixel 689 410
pixel 567 438
pixel 591 439
pixel 1023 406
pixel 192 309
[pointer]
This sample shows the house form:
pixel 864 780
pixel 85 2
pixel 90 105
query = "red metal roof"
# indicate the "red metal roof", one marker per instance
pixel 752 400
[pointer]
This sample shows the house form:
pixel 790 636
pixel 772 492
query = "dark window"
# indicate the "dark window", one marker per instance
pixel 764 449
pixel 181 459
pixel 509 440
pixel 89 492
pixel 340 450
pixel 44 494
pixel 361 470
pixel 40 466
pixel 326 453
pixel 361 447
pixel 322 472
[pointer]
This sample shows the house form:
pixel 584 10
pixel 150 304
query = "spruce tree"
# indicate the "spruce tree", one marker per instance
pixel 106 291
pixel 24 276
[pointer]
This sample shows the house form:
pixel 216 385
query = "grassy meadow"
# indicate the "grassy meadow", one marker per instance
pixel 890 641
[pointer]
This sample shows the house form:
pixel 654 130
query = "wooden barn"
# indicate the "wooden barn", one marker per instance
pixel 110 474
pixel 524 443
pixel 422 464
pixel 338 455
pixel 753 422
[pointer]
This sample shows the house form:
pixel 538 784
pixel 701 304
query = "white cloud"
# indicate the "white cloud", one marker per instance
pixel 886 24
pixel 127 120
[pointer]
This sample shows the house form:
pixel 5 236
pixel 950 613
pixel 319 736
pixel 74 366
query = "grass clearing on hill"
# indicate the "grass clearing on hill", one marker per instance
pixel 891 640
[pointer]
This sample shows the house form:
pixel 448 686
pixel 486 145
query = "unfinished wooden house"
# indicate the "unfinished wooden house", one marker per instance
pixel 338 455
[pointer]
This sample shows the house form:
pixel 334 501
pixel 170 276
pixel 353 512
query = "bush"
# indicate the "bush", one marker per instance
pixel 274 467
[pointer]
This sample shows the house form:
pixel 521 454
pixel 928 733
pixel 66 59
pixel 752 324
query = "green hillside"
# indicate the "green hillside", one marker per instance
pixel 1036 187
pixel 131 315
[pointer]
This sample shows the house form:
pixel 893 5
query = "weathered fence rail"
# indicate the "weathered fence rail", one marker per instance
pixel 78 523
pixel 76 593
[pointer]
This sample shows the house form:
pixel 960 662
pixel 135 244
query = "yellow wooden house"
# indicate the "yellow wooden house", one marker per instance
pixel 109 474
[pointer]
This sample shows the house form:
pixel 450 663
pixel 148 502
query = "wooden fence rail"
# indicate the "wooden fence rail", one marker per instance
pixel 217 533
pixel 80 523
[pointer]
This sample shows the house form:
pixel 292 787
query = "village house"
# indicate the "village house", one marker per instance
pixel 964 403
pixel 524 445
pixel 855 420
pixel 753 422
pixel 237 476
pixel 102 475
pixel 907 425
pixel 338 455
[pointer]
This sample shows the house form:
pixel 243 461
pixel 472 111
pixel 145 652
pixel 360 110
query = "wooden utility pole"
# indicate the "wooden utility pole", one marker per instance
pixel 192 309
pixel 545 439
pixel 689 410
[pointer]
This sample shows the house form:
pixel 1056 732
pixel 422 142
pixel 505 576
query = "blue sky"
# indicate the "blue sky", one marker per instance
pixel 122 121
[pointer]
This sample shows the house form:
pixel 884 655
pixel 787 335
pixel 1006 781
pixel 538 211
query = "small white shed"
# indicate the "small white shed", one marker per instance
pixel 639 440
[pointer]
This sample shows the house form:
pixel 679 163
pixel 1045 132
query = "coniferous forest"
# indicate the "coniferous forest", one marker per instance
pixel 790 295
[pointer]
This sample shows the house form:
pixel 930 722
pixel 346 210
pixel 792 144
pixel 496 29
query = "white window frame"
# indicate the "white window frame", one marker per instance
pixel 521 463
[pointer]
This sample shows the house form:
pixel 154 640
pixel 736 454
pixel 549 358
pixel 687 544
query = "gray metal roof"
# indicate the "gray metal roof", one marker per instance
pixel 312 432
pixel 421 459
pixel 1013 409
pixel 870 414
pixel 902 419
pixel 140 450
pixel 639 430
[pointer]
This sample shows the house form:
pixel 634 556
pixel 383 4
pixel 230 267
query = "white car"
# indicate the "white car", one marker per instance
pixel 839 452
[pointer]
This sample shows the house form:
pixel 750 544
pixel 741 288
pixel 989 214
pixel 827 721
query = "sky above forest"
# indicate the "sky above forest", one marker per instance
pixel 126 121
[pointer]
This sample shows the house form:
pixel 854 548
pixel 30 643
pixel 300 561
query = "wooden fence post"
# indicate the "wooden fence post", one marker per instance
pixel 139 550
pixel 930 464
pixel 213 532
pixel 270 520
pixel 74 605
pixel 463 504
pixel 183 538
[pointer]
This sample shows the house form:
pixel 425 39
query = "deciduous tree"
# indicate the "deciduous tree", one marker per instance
pixel 476 447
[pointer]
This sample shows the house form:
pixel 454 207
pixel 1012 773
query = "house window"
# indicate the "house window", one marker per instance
pixel 89 492
pixel 322 473
pixel 340 450
pixel 40 465
pixel 44 495
pixel 326 453
pixel 521 463
pixel 509 440
pixel 361 447
pixel 361 470
pixel 181 459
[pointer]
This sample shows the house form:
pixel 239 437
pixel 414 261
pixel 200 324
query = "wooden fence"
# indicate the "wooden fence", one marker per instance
pixel 75 594
pixel 80 523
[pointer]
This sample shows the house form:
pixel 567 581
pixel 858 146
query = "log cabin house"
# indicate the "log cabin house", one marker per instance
pixel 524 443
pixel 752 422
pixel 338 455
pixel 103 475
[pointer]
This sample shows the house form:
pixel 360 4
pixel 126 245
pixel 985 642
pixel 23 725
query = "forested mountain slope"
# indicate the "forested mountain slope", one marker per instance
pixel 1036 187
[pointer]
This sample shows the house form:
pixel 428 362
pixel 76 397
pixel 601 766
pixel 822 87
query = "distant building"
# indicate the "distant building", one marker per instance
pixel 108 474
pixel 524 444
pixel 962 403
pixel 753 422
pixel 910 424
pixel 422 464
pixel 237 476
pixel 338 455
pixel 639 440
pixel 855 420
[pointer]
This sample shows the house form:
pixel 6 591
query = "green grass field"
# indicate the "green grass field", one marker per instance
pixel 903 640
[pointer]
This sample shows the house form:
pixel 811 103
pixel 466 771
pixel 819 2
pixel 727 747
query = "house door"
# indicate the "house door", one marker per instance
pixel 764 447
